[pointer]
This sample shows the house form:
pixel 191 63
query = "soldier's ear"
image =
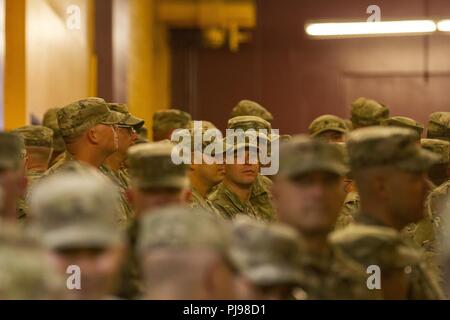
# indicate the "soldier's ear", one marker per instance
pixel 92 135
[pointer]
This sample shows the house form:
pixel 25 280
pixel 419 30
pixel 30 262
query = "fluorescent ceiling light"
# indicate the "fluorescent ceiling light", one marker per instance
pixel 342 29
pixel 444 25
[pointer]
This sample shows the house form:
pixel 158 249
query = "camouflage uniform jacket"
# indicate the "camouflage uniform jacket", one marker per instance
pixel 348 211
pixel 121 182
pixel 261 198
pixel 334 276
pixel 229 205
pixel 198 201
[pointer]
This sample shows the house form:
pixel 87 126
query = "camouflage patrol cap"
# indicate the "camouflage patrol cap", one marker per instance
pixel 266 254
pixel 77 209
pixel 25 274
pixel 303 154
pixel 327 122
pixel 166 120
pixel 251 108
pixel 81 115
pixel 366 112
pixel 249 122
pixel 439 147
pixel 50 120
pixel 378 146
pixel 35 136
pixel 12 151
pixel 180 227
pixel 250 140
pixel 129 119
pixel 151 166
pixel 439 126
pixel 199 129
pixel 205 125
pixel 375 245
pixel 404 122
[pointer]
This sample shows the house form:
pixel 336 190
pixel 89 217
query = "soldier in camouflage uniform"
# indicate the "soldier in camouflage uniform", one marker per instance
pixel 267 257
pixel 251 108
pixel 12 175
pixel 366 112
pixel 166 121
pixel 181 250
pixel 38 142
pixel 156 181
pixel 207 174
pixel 308 193
pixel 404 122
pixel 328 127
pixel 88 129
pixel 260 196
pixel 115 165
pixel 77 215
pixel 425 232
pixel 233 195
pixel 50 121
pixel 389 169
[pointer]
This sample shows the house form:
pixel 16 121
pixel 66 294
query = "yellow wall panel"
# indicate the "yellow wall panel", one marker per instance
pixel 15 68
pixel 59 53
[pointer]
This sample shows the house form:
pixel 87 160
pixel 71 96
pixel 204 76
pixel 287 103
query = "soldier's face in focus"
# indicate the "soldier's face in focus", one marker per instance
pixel 405 195
pixel 99 267
pixel 309 202
pixel 126 136
pixel 108 139
pixel 242 174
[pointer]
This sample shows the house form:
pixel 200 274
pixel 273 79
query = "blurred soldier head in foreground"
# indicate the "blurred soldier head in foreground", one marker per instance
pixel 185 255
pixel 267 257
pixel 155 179
pixel 77 214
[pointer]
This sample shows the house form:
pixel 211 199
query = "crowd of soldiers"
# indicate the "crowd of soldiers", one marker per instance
pixel 91 209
